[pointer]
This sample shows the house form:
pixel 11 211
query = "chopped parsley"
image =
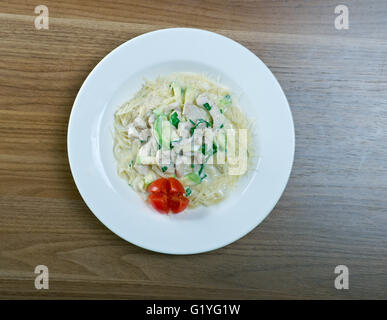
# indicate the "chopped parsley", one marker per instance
pixel 201 169
pixel 214 148
pixel 163 169
pixel 174 119
pixel 207 106
pixel 203 148
pixel 197 123
pixel 188 191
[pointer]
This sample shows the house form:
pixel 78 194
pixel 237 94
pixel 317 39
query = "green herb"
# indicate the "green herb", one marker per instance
pixel 191 121
pixel 142 141
pixel 221 126
pixel 221 110
pixel 201 169
pixel 130 163
pixel 174 141
pixel 163 169
pixel 159 146
pixel 204 121
pixel 174 119
pixel 214 148
pixel 193 177
pixel 196 125
pixel 192 165
pixel 207 106
pixel 205 175
pixel 203 148
pixel 225 101
pixel 188 191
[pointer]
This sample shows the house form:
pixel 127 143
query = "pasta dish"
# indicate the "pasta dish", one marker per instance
pixel 181 141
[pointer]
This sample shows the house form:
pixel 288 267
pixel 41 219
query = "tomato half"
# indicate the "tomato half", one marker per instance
pixel 159 202
pixel 177 202
pixel 175 186
pixel 161 185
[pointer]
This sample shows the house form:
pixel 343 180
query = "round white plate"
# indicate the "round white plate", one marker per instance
pixel 117 77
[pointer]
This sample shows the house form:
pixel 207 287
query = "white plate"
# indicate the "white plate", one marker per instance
pixel 117 77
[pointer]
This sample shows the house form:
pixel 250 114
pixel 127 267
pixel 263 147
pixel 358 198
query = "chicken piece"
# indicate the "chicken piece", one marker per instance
pixel 154 145
pixel 201 125
pixel 144 134
pixel 165 158
pixel 140 123
pixel 178 148
pixel 183 129
pixel 202 99
pixel 132 131
pixel 192 112
pixel 209 135
pixel 216 115
pixel 198 136
pixel 172 106
pixel 187 146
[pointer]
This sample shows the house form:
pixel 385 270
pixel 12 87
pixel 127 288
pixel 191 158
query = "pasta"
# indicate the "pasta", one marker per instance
pixel 182 125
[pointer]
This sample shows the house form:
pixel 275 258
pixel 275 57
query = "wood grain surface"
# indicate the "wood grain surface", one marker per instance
pixel 334 209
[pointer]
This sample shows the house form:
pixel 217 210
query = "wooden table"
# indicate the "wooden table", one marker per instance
pixel 334 209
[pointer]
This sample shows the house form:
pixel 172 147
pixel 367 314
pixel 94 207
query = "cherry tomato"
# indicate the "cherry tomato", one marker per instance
pixel 177 202
pixel 160 185
pixel 159 202
pixel 166 195
pixel 175 186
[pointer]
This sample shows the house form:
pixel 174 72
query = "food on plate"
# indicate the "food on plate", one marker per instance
pixel 181 141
